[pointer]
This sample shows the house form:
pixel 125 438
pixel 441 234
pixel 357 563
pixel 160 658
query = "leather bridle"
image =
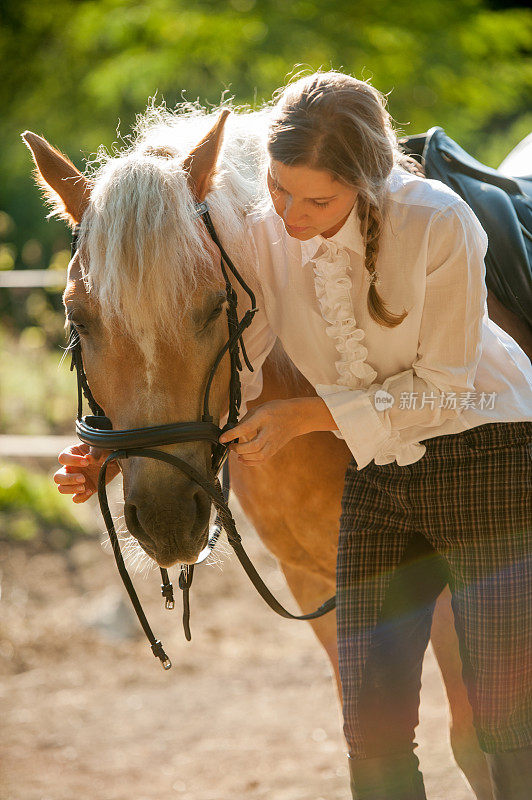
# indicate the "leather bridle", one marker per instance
pixel 97 431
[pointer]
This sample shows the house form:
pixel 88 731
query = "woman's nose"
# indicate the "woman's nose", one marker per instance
pixel 292 214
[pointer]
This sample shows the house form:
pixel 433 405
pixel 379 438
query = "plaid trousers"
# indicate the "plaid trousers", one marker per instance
pixel 462 514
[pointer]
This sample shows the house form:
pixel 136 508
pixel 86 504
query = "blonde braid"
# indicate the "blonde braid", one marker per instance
pixel 371 222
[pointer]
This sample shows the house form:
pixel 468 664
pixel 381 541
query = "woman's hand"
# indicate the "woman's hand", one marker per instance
pixel 79 475
pixel 264 430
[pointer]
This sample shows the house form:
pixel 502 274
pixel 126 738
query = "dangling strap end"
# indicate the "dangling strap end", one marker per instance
pixel 169 602
pixel 186 617
pixel 245 355
pixel 167 590
pixel 158 652
pixel 247 319
pixel 185 582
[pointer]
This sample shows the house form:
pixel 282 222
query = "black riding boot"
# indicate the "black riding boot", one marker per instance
pixel 511 774
pixel 394 777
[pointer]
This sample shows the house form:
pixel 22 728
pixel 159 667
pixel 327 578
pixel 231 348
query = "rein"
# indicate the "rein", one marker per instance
pixel 96 430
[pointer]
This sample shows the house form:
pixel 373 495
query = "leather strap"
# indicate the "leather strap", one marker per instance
pixel 88 431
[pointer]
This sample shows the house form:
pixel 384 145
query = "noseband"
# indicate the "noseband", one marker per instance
pixel 97 431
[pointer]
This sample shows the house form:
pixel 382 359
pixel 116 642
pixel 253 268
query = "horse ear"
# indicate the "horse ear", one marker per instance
pixel 63 185
pixel 200 165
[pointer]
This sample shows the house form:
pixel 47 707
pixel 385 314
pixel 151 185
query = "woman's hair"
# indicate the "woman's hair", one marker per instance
pixel 333 122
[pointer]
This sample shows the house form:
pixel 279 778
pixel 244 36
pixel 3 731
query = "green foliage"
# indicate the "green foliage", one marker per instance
pixel 37 392
pixel 73 68
pixel 32 510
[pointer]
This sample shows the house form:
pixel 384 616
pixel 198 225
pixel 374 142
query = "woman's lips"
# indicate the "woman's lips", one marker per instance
pixel 296 230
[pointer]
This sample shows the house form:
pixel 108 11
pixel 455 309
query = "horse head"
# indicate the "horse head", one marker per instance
pixel 146 297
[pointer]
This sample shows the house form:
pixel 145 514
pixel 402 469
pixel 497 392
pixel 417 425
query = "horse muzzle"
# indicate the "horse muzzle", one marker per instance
pixel 171 527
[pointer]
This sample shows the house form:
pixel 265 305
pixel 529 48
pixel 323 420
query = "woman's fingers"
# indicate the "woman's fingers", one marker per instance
pixel 70 488
pixel 242 439
pixel 255 452
pixel 95 454
pixel 244 431
pixel 246 448
pixel 82 496
pixel 248 461
pixel 64 478
pixel 74 484
pixel 70 482
pixel 78 475
pixel 81 455
pixel 68 458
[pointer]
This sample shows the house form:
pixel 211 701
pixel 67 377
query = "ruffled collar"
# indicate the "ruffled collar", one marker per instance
pixel 349 236
pixel 332 281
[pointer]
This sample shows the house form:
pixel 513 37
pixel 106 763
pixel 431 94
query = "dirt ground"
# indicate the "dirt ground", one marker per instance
pixel 248 710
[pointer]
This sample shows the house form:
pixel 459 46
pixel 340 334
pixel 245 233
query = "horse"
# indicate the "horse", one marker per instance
pixel 146 296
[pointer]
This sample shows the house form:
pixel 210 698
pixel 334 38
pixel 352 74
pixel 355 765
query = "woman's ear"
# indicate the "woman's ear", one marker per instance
pixel 64 187
pixel 200 165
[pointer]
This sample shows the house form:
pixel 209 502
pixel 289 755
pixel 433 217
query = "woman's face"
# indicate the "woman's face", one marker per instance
pixel 309 201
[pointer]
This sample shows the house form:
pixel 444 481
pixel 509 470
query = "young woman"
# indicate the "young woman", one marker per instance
pixel 373 279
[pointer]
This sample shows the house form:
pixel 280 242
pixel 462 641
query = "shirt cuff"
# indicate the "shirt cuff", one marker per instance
pixel 357 420
pixel 251 384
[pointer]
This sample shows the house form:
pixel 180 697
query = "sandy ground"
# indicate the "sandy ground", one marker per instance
pixel 248 710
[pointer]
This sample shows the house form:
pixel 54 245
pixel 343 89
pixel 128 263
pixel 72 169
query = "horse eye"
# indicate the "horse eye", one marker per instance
pixel 215 313
pixel 79 327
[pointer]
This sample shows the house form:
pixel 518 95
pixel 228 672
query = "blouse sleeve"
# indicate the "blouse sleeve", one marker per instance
pixel 449 350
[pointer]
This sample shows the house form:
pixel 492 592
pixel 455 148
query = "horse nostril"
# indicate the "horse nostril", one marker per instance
pixel 132 520
pixel 134 525
pixel 203 506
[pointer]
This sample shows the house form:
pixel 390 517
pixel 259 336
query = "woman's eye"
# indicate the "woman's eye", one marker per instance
pixel 274 185
pixel 321 205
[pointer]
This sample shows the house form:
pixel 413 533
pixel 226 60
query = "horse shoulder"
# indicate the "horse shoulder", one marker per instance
pixel 293 499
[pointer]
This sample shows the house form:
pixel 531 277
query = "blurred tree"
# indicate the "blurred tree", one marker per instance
pixel 73 68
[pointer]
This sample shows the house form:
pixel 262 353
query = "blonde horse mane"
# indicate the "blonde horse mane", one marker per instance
pixel 143 250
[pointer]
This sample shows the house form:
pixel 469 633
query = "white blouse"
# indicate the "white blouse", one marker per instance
pixel 446 368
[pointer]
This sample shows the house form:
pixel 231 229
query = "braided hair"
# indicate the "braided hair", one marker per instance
pixel 333 122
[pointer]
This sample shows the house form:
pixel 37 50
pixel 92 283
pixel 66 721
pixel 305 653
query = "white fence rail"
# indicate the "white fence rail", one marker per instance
pixel 32 278
pixel 27 446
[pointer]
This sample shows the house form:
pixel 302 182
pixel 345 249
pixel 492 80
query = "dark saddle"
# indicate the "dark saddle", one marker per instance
pixel 503 206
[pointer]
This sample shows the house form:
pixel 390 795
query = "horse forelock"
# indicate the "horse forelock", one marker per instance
pixel 144 251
